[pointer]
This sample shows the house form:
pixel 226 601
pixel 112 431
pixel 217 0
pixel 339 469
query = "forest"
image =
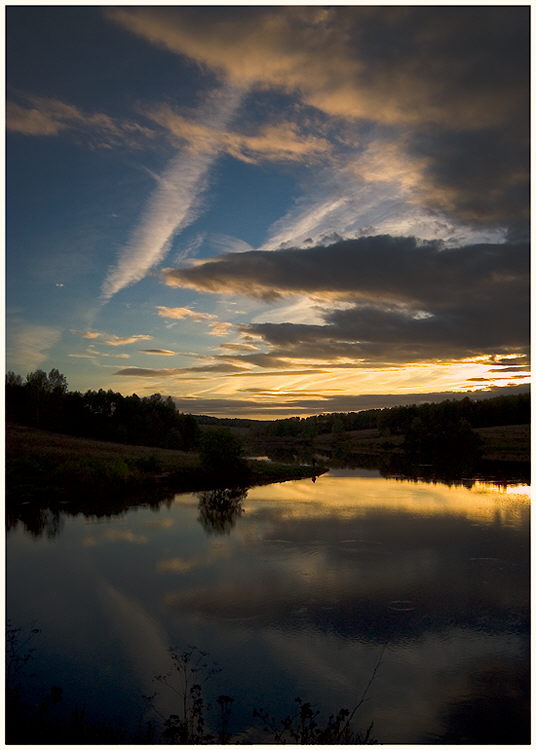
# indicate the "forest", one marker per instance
pixel 43 400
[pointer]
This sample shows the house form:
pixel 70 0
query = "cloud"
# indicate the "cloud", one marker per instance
pixel 175 565
pixel 174 204
pixel 375 66
pixel 342 403
pixel 239 347
pixel 86 334
pixel 44 116
pixel 31 121
pixel 452 81
pixel 180 313
pixel 460 178
pixel 91 334
pixel 221 328
pixel 118 535
pixel 123 340
pixel 167 372
pixel 380 187
pixel 93 354
pixel 217 327
pixel 28 345
pixel 284 372
pixel 223 243
pixel 279 141
pixel 515 368
pixel 114 355
pixel 143 641
pixel 494 380
pixel 406 300
pixel 163 352
pixel 395 269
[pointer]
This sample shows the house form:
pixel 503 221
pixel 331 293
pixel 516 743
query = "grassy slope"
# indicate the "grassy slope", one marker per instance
pixel 369 441
pixel 29 441
pixel 40 462
pixel 507 443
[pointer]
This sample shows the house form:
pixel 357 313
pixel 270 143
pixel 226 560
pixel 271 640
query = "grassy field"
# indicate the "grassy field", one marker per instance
pixel 28 441
pixel 41 465
pixel 369 442
pixel 506 443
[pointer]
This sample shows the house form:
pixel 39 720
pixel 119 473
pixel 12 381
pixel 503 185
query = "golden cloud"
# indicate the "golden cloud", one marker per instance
pixel 280 141
pixel 180 313
pixel 326 56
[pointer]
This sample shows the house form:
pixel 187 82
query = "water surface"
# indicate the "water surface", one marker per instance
pixel 301 591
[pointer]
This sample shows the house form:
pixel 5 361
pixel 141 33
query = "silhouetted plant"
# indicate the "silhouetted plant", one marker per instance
pixel 192 669
pixel 221 457
pixel 303 727
pixel 224 702
pixel 189 725
pixel 19 650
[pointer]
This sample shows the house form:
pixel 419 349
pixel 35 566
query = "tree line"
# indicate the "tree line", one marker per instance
pixel 399 420
pixel 43 400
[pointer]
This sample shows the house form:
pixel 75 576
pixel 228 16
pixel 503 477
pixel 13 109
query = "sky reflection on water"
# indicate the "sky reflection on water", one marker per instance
pixel 301 594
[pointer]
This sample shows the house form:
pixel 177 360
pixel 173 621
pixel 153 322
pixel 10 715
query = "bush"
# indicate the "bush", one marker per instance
pixel 221 457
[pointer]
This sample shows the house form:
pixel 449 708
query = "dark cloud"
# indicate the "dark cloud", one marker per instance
pixel 480 177
pixel 509 361
pixel 395 269
pixel 478 61
pixel 514 368
pixel 411 301
pixel 466 72
pixel 494 380
pixel 338 403
pixel 165 372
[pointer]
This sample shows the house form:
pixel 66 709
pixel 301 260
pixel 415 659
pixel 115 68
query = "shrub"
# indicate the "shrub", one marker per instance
pixel 220 453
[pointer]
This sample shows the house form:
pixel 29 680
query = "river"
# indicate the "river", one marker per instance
pixel 410 596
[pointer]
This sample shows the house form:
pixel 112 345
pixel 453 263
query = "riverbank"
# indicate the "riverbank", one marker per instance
pixel 42 464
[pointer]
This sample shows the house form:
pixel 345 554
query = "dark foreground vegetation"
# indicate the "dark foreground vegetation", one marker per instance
pixel 198 720
pixel 46 468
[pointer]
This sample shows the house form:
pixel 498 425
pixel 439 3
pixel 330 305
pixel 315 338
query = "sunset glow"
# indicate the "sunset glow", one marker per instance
pixel 263 211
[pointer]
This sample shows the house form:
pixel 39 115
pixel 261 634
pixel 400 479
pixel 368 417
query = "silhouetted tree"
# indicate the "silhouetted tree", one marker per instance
pixel 42 400
pixel 221 455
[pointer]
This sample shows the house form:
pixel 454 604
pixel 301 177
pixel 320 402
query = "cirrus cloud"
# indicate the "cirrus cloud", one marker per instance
pixel 454 82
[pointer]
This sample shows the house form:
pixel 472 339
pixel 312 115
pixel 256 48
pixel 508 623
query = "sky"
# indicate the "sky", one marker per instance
pixel 269 211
